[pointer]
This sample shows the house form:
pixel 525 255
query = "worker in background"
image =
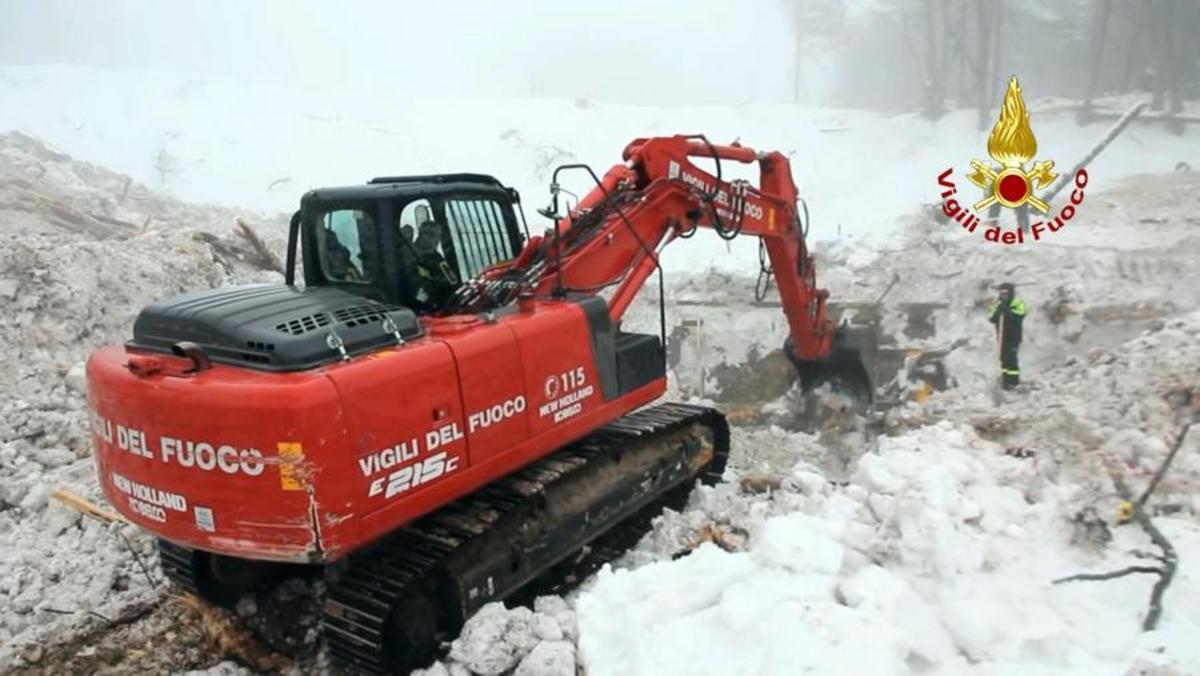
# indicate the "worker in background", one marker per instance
pixel 1008 313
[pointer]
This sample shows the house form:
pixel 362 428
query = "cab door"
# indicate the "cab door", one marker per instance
pixel 478 235
pixel 495 403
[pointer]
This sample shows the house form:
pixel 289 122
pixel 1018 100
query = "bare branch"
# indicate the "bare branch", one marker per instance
pixel 1170 558
pixel 138 558
pixel 1142 554
pixel 1109 576
pixel 60 611
pixel 1166 463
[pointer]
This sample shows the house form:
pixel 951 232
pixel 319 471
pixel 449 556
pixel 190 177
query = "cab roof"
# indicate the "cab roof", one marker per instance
pixel 390 187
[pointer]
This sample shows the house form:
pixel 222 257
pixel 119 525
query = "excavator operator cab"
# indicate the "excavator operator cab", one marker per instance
pixel 404 240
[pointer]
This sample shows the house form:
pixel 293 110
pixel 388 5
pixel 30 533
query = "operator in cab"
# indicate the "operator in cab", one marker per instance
pixel 432 279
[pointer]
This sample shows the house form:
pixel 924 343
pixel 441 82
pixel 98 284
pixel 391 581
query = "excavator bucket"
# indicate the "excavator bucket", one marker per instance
pixel 871 370
pixel 850 369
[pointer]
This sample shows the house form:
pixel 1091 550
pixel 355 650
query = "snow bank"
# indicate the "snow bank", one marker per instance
pixel 936 557
pixel 938 551
pixel 1108 408
pixel 937 554
pixel 520 641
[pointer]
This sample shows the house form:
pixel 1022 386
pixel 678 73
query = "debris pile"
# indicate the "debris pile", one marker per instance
pixel 1129 264
pixel 82 249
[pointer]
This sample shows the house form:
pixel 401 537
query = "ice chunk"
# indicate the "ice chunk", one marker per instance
pixel 549 658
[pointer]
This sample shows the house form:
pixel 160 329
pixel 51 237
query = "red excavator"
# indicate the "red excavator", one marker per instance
pixel 447 410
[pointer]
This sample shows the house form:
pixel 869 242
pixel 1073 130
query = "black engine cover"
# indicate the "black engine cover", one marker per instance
pixel 272 327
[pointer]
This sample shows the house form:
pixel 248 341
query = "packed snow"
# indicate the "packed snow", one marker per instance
pixel 930 547
pixel 939 552
pixel 937 556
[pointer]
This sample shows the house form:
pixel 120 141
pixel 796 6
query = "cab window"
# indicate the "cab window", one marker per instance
pixel 345 245
pixel 478 234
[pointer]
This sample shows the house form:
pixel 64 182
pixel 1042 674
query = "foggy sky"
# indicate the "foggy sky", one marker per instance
pixel 634 51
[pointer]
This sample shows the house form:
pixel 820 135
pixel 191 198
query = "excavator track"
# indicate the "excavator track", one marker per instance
pixel 539 530
pixel 559 518
pixel 178 564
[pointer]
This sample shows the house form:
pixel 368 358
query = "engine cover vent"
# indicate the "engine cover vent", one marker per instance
pixel 302 325
pixel 358 315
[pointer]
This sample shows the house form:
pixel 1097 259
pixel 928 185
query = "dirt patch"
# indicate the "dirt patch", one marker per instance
pixel 131 642
pixel 759 379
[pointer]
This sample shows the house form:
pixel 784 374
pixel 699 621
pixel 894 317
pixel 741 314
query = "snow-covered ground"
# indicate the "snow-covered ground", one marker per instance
pixel 81 249
pixel 938 554
pixel 929 549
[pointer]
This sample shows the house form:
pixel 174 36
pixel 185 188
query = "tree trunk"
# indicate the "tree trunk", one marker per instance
pixel 1170 75
pixel 1099 28
pixel 934 83
pixel 989 18
pixel 997 24
pixel 1133 26
pixel 1158 30
pixel 964 93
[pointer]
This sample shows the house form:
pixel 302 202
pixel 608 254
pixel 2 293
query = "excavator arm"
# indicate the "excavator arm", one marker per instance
pixel 613 236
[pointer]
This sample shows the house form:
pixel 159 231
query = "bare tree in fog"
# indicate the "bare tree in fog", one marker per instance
pixel 938 54
pixel 816 24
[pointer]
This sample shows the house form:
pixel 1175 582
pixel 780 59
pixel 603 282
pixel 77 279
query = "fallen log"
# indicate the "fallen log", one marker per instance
pixel 263 256
pixel 1068 178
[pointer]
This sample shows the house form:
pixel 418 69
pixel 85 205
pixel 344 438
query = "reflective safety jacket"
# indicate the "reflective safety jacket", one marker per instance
pixel 1012 314
pixel 432 280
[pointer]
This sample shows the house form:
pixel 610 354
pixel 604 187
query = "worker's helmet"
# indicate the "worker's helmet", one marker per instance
pixel 1008 286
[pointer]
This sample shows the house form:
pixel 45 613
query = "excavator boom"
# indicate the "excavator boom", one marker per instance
pixel 614 235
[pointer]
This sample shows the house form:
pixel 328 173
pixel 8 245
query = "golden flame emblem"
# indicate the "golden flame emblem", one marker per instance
pixel 1012 144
